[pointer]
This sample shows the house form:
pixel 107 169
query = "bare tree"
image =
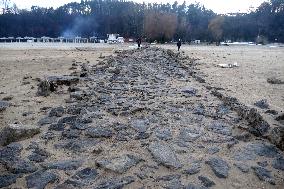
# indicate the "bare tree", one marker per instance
pixel 216 28
pixel 160 26
pixel 5 5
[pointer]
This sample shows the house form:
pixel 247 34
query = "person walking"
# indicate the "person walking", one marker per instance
pixel 179 44
pixel 139 41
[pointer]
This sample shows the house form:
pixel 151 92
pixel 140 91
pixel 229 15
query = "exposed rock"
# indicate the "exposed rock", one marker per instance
pixel 4 105
pixel 220 128
pixel 163 134
pixel 45 88
pixel 56 112
pixel 81 179
pixel 64 165
pixel 165 155
pixel 119 164
pixel 77 145
pixel 189 134
pixel 38 155
pixel 7 180
pixel 40 179
pixel 274 80
pixel 193 169
pixel 57 127
pixel 98 132
pixel 115 183
pixel 213 150
pixel 68 119
pixel 206 181
pixel 140 125
pixel 47 120
pixel 71 133
pixel 264 174
pixel 190 91
pixel 63 80
pixel 192 186
pixel 10 152
pixel 18 166
pixel 262 104
pixel 278 163
pixel 243 167
pixel 257 125
pixel 16 132
pixel 262 163
pixel 219 166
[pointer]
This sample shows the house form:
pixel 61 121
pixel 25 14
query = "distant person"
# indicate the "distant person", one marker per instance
pixel 139 41
pixel 179 44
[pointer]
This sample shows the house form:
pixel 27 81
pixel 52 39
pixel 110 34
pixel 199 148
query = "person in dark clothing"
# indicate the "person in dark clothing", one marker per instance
pixel 139 41
pixel 179 44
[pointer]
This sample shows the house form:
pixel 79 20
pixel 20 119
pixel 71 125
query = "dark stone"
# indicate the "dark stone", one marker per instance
pixel 140 125
pixel 222 110
pixel 206 181
pixel 190 91
pixel 7 180
pixel 245 136
pixel 278 163
pixel 264 174
pixel 193 169
pixel 243 167
pixel 273 112
pixel 38 155
pixel 192 186
pixel 57 127
pixel 77 145
pixel 219 167
pixel 68 119
pixel 4 105
pixel 86 174
pixel 64 165
pixel 173 184
pixel 98 132
pixel 74 110
pixel 220 128
pixel 252 150
pixel 262 163
pixel 142 135
pixel 164 155
pixel 276 136
pixel 168 177
pixel 115 183
pixel 20 166
pixel 262 104
pixel 199 110
pixel 48 135
pixel 274 80
pixel 40 179
pixel 10 152
pixel 119 164
pixel 189 134
pixel 56 112
pixel 71 133
pixel 213 150
pixel 79 126
pixel 47 120
pixel 163 134
pixel 63 80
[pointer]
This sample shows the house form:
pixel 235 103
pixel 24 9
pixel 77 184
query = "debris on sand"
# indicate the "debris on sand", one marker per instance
pixel 234 65
pixel 274 80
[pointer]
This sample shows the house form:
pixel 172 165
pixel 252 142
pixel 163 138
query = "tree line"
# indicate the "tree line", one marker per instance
pixel 161 22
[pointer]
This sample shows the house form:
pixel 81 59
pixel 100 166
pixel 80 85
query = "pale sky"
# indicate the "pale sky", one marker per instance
pixel 218 6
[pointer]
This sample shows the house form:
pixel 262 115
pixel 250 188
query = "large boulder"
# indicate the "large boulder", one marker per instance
pixel 16 132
